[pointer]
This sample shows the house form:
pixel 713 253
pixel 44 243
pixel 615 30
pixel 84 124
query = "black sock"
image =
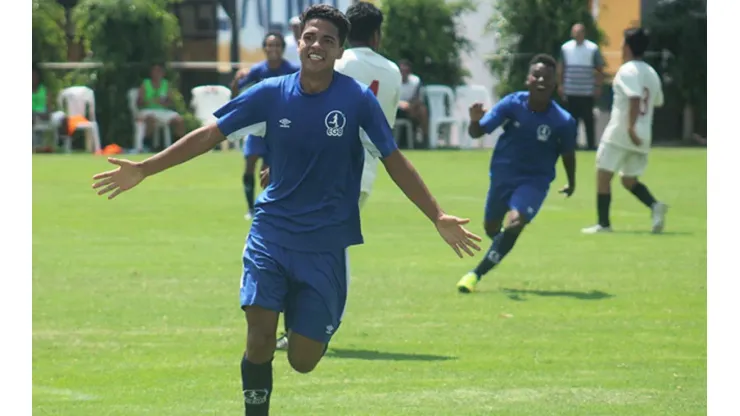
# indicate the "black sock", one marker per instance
pixel 603 203
pixel 257 387
pixel 248 181
pixel 502 244
pixel 643 194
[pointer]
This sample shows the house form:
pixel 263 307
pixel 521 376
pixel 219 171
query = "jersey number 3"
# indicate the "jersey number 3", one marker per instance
pixel 644 101
pixel 374 87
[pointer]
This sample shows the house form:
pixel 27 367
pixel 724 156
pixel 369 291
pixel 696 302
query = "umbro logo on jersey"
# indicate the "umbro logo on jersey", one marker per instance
pixel 284 123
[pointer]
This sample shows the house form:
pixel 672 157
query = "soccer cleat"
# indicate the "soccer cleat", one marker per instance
pixel 248 216
pixel 282 342
pixel 467 283
pixel 658 213
pixel 595 229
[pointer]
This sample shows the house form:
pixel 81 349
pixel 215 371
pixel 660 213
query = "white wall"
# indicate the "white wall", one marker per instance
pixel 473 27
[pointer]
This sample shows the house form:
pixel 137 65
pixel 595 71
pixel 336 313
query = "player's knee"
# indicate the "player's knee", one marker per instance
pixel 260 344
pixel 628 182
pixel 302 364
pixel 516 223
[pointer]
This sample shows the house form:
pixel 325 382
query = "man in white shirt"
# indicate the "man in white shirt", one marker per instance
pixel 291 42
pixel 361 62
pixel 411 107
pixel 625 144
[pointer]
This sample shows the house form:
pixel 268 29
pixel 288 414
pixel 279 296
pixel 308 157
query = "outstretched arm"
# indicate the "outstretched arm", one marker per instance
pixel 191 145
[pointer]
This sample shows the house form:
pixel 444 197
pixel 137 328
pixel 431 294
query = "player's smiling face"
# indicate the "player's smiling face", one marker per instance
pixel 273 48
pixel 541 80
pixel 319 46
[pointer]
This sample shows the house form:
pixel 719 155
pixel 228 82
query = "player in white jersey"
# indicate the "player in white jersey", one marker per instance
pixel 625 144
pixel 361 62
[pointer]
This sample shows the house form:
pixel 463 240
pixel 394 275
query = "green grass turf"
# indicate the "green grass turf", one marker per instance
pixel 135 301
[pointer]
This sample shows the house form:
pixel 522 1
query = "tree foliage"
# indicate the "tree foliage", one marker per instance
pixel 127 37
pixel 680 27
pixel 425 32
pixel 49 42
pixel 525 28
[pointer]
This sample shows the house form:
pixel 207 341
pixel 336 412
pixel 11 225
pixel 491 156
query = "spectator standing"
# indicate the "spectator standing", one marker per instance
pixel 581 74
pixel 291 42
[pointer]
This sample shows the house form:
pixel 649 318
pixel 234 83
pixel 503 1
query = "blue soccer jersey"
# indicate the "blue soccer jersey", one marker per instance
pixel 316 157
pixel 531 142
pixel 262 71
pixel 254 145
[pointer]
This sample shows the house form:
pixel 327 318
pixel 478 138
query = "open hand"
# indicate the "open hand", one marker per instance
pixel 126 176
pixel 476 112
pixel 567 190
pixel 452 231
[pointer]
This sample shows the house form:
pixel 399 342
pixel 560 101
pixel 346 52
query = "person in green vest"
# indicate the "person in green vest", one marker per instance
pixel 41 103
pixel 156 104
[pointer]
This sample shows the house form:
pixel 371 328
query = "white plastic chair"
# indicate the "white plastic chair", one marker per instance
pixel 78 101
pixel 42 126
pixel 206 100
pixel 140 125
pixel 467 95
pixel 438 97
pixel 409 127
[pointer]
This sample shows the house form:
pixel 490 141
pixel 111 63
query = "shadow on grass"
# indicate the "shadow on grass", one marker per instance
pixel 383 356
pixel 521 294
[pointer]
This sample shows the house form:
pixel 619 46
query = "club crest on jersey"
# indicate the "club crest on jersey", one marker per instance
pixel 543 132
pixel 335 122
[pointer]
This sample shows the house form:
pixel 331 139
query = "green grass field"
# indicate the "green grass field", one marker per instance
pixel 135 301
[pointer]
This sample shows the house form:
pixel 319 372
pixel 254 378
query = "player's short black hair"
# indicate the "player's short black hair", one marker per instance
pixel 365 19
pixel 330 14
pixel 278 35
pixel 544 59
pixel 637 39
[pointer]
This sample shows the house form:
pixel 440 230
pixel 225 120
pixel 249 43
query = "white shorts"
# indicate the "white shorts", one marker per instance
pixel 363 198
pixel 162 115
pixel 369 172
pixel 618 159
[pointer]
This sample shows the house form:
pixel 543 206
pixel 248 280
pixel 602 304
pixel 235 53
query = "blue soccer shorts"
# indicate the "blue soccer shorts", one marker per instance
pixel 310 288
pixel 526 197
pixel 254 146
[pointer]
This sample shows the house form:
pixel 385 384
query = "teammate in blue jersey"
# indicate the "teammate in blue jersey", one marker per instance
pixel 295 258
pixel 537 131
pixel 273 45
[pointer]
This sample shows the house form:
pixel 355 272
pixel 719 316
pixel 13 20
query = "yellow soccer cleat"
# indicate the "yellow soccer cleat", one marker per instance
pixel 467 283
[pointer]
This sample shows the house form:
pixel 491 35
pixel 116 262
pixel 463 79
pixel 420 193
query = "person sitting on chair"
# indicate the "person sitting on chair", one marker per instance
pixel 155 102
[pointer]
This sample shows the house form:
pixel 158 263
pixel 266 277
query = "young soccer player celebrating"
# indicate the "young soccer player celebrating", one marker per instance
pixel 294 258
pixel 537 131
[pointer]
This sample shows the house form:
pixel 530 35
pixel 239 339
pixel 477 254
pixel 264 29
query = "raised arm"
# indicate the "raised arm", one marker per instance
pixel 481 123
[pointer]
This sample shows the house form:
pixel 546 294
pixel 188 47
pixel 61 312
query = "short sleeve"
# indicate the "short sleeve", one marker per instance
pixel 568 136
pixel 629 81
pixel 598 59
pixel 375 133
pixel 245 114
pixel 497 115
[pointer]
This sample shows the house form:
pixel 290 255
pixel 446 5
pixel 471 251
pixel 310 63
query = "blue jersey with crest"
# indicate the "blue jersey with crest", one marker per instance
pixel 315 143
pixel 532 142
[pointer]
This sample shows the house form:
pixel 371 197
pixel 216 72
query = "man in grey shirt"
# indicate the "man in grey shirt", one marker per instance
pixel 581 73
